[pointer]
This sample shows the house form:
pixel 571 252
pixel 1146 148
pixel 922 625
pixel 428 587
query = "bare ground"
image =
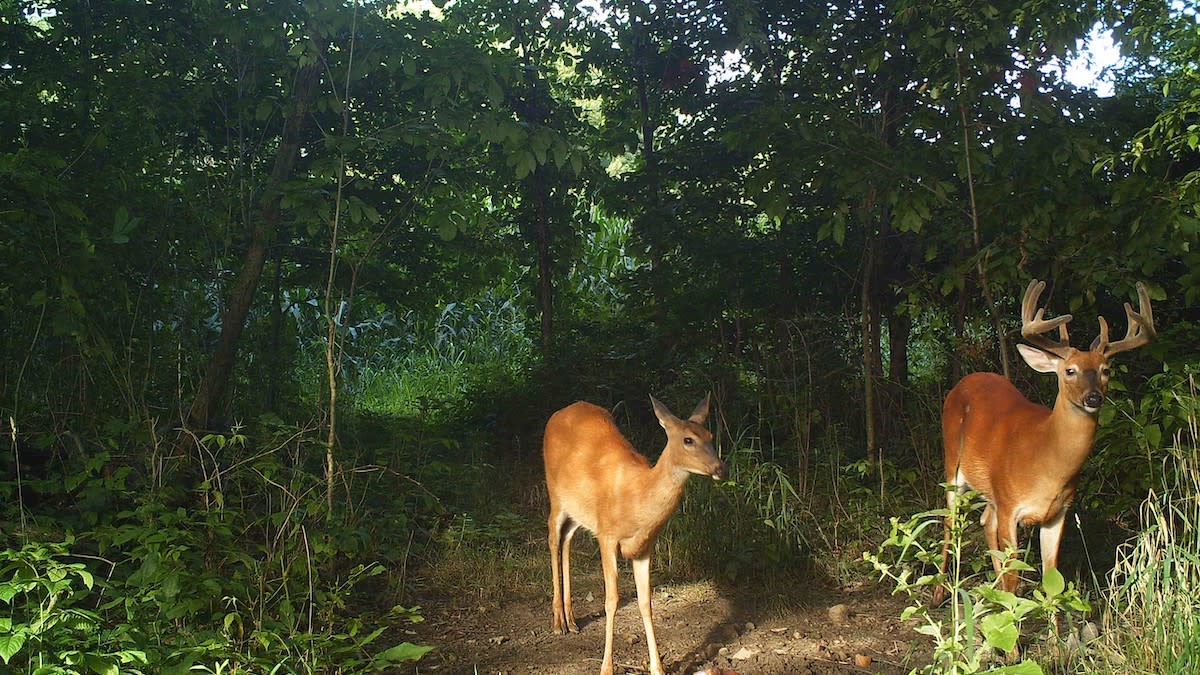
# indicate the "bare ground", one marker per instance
pixel 699 626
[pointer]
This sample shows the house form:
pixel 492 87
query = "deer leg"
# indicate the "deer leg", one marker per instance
pixel 641 576
pixel 568 611
pixel 608 559
pixel 1050 536
pixel 939 591
pixel 990 525
pixel 554 525
pixel 1004 532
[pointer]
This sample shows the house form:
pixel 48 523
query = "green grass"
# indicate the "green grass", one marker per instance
pixel 465 348
pixel 1152 612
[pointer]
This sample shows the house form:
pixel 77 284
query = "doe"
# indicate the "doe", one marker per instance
pixel 596 480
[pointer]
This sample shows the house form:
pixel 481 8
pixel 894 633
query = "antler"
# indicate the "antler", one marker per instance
pixel 1033 325
pixel 1139 332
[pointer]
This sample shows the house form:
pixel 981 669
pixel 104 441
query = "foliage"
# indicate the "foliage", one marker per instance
pixel 976 610
pixel 406 366
pixel 1133 433
pixel 48 629
pixel 153 587
pixel 439 224
pixel 1152 616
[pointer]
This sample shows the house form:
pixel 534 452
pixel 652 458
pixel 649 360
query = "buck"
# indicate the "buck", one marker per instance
pixel 596 480
pixel 1022 457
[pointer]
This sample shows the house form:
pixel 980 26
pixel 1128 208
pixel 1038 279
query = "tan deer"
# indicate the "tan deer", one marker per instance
pixel 596 480
pixel 1022 457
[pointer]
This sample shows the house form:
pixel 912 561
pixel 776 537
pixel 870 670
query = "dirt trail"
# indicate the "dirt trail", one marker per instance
pixel 699 625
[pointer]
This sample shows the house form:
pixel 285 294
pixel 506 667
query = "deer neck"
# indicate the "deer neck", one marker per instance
pixel 1070 430
pixel 662 485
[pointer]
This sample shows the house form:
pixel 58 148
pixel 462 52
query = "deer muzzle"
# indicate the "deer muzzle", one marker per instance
pixel 721 472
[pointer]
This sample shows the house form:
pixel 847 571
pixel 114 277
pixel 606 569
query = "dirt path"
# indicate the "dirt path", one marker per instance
pixel 699 626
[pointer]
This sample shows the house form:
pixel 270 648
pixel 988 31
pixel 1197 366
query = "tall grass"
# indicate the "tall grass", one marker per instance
pixel 1152 616
pixel 466 347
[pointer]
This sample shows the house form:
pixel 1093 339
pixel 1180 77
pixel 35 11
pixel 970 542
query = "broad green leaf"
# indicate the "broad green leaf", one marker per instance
pixel 999 630
pixel 403 653
pixel 11 644
pixel 1053 582
pixel 1153 436
pixel 102 665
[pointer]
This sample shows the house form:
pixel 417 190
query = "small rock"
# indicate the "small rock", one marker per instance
pixel 1072 644
pixel 743 654
pixel 1088 632
pixel 723 651
pixel 749 626
pixel 589 597
pixel 839 613
pixel 498 640
pixel 862 660
pixel 711 650
pixel 796 635
pixel 632 638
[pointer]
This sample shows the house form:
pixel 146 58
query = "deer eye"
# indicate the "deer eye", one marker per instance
pixel 1071 371
pixel 688 440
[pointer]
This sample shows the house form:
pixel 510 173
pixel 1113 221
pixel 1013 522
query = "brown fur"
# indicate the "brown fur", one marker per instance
pixel 596 480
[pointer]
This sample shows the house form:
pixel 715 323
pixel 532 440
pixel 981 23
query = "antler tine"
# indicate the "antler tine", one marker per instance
pixel 1033 325
pixel 1101 341
pixel 1141 325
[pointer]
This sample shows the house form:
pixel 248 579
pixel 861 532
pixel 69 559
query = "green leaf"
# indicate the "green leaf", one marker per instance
pixel 102 665
pixel 1022 668
pixel 11 644
pixel 1053 582
pixel 931 630
pixel 1153 436
pixel 1000 631
pixel 402 653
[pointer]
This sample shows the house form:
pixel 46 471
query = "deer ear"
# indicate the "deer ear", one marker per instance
pixel 1043 362
pixel 701 412
pixel 663 414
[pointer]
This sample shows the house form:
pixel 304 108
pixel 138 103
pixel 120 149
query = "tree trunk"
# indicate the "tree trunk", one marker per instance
pixel 275 361
pixel 545 263
pixel 233 321
pixel 651 221
pixel 870 338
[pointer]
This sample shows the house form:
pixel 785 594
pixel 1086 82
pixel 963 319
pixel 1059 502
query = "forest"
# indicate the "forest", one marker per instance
pixel 290 289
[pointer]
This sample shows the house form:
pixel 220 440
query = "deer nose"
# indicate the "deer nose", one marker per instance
pixel 1093 399
pixel 721 472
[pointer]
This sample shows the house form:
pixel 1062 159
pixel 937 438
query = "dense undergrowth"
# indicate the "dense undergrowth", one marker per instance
pixel 128 550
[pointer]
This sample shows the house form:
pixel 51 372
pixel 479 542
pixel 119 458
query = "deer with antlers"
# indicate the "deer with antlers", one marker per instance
pixel 1022 457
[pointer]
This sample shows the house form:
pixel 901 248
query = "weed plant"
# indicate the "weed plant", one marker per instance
pixel 249 572
pixel 1152 610
pixel 982 622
